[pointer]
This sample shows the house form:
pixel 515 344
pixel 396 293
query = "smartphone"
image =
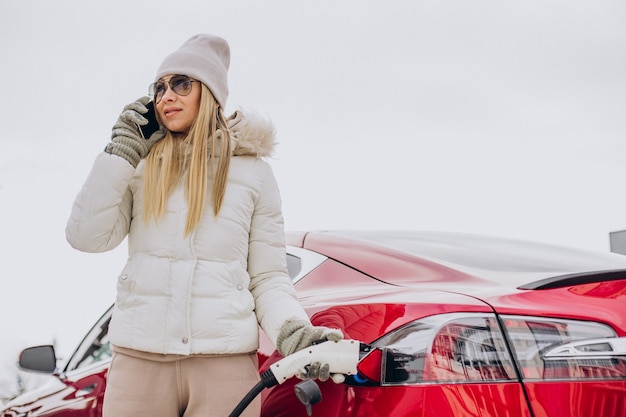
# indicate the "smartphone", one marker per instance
pixel 153 124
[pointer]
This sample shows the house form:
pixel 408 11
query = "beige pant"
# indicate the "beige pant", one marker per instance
pixel 190 387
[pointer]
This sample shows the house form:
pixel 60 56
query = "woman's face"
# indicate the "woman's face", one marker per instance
pixel 177 113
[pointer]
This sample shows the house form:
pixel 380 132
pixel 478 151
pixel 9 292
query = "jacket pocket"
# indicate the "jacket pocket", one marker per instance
pixel 240 286
pixel 126 285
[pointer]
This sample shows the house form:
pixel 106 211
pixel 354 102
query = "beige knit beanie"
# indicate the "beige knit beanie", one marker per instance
pixel 205 58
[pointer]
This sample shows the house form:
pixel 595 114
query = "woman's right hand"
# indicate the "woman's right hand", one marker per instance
pixel 126 138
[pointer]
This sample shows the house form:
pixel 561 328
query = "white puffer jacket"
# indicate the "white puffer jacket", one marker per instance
pixel 204 293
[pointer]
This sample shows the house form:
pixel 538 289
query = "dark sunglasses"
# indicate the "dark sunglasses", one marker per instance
pixel 180 84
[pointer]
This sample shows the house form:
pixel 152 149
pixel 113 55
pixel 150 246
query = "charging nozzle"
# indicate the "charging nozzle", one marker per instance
pixel 341 356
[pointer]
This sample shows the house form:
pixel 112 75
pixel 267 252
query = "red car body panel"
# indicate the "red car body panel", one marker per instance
pixel 469 400
pixel 583 302
pixel 578 399
pixel 79 396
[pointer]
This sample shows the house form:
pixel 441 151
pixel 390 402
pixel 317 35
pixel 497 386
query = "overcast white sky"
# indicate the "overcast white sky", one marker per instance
pixel 495 117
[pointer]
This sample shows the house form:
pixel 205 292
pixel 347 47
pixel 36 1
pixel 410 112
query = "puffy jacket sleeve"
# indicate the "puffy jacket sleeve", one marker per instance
pixel 101 214
pixel 271 286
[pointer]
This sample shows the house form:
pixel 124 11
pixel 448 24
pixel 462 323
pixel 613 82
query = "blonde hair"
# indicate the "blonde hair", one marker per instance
pixel 204 153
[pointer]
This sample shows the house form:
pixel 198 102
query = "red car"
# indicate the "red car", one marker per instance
pixel 459 325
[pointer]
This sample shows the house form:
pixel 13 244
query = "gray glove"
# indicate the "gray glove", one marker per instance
pixel 296 334
pixel 126 138
pixel 321 371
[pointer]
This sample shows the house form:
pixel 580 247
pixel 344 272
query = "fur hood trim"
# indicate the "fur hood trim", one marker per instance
pixel 251 134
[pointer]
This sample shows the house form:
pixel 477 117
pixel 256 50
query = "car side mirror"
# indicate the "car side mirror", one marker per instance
pixel 38 359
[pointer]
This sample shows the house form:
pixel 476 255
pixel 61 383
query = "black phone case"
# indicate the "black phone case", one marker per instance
pixel 153 124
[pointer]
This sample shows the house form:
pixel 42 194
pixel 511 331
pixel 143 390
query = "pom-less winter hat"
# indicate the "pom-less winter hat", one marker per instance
pixel 205 58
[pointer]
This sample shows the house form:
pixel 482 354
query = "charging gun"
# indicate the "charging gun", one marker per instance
pixel 341 356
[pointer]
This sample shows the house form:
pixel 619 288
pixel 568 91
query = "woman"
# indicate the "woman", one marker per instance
pixel 206 263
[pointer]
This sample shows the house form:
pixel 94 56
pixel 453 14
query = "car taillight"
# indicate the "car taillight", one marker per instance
pixel 471 347
pixel 458 347
pixel 557 349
